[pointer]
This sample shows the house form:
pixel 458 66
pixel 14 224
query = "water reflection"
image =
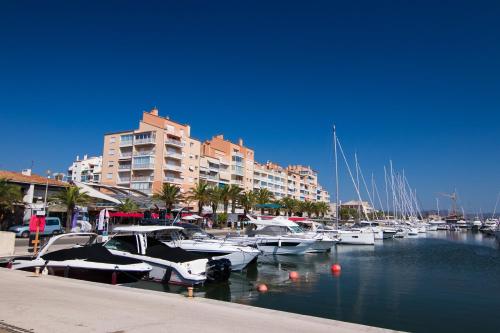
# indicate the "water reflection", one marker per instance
pixel 434 282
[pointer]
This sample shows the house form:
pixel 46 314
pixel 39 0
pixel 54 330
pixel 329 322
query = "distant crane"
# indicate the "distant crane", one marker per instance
pixel 453 197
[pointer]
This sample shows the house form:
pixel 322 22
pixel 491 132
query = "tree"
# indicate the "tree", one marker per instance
pixel 247 200
pixel 128 206
pixel 10 194
pixel 200 193
pixel 322 208
pixel 168 194
pixel 225 196
pixel 70 197
pixel 288 204
pixel 263 196
pixel 234 194
pixel 215 197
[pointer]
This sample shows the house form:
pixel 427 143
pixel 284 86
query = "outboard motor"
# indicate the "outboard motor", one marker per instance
pixel 218 270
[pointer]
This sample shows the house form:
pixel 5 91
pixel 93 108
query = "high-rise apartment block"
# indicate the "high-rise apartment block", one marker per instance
pixel 163 151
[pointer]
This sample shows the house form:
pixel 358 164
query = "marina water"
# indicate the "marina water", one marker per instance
pixel 436 282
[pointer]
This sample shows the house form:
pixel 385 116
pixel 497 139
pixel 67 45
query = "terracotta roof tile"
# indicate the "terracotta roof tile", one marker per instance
pixel 33 179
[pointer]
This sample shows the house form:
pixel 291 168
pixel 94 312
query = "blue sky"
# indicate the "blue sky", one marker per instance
pixel 415 82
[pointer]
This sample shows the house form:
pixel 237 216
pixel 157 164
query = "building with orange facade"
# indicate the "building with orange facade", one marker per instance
pixel 163 151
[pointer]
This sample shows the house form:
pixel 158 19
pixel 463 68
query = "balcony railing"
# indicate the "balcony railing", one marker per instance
pixel 173 154
pixel 125 155
pixel 173 180
pixel 237 182
pixel 175 143
pixel 142 178
pixel 126 143
pixel 143 166
pixel 144 152
pixel 124 166
pixel 172 167
pixel 223 161
pixel 123 180
pixel 144 141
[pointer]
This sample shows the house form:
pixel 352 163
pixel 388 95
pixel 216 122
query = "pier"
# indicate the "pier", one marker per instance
pixel 53 304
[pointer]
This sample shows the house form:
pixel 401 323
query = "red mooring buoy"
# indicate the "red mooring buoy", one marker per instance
pixel 336 268
pixel 293 275
pixel 262 288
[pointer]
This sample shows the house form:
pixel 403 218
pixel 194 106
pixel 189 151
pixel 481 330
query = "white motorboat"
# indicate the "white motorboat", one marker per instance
pixel 282 227
pixel 91 262
pixel 374 227
pixel 356 237
pixel 195 240
pixel 170 264
pixel 476 225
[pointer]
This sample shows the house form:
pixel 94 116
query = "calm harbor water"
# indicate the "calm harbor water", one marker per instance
pixel 439 282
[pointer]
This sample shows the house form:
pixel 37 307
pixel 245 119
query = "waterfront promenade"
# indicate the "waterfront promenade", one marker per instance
pixel 54 304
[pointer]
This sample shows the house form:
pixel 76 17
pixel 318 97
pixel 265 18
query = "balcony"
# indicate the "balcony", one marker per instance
pixel 175 143
pixel 142 178
pixel 237 182
pixel 173 180
pixel 125 156
pixel 145 166
pixel 144 152
pixel 145 141
pixel 126 143
pixel 223 161
pixel 124 167
pixel 123 180
pixel 172 154
pixel 213 168
pixel 173 167
pixel 237 171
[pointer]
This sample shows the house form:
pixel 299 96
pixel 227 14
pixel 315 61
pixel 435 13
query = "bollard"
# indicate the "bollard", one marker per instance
pixel 37 271
pixel 190 292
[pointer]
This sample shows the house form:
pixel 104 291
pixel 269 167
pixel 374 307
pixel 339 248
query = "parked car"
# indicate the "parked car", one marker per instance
pixel 52 227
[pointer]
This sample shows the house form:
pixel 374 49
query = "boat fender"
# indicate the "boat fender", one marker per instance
pixel 167 275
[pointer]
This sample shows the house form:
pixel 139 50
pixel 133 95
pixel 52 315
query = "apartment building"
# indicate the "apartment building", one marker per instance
pixel 225 162
pixel 163 151
pixel 159 151
pixel 87 170
pixel 272 177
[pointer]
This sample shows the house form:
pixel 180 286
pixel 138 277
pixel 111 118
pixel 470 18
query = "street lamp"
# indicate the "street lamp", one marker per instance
pixel 46 192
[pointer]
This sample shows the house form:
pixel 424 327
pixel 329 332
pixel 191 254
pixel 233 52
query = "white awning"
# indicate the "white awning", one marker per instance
pixel 91 192
pixel 145 228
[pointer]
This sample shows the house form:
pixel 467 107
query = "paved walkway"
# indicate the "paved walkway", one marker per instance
pixel 54 304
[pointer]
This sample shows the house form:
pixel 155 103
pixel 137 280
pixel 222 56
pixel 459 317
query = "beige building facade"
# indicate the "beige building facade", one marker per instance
pixel 163 151
pixel 159 151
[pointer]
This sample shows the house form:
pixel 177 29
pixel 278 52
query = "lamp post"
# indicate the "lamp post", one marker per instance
pixel 46 192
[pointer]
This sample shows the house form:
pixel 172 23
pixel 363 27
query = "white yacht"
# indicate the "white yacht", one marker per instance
pixel 195 240
pixel 170 264
pixel 86 261
pixel 323 242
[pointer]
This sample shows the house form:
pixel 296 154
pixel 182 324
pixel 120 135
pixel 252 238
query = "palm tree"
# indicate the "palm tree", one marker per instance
pixel 70 197
pixel 215 197
pixel 200 193
pixel 128 206
pixel 10 194
pixel 288 204
pixel 234 195
pixel 168 194
pixel 263 196
pixel 247 200
pixel 322 208
pixel 225 196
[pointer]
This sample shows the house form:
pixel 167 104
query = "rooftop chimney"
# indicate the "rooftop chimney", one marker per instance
pixel 240 142
pixel 154 111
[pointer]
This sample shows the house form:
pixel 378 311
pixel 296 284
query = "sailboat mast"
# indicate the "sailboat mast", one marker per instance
pixel 337 211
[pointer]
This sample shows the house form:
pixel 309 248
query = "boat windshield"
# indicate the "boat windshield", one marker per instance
pixel 296 229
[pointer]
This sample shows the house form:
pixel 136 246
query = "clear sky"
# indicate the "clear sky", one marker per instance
pixel 417 82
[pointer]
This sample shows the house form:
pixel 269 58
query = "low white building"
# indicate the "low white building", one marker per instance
pixel 86 170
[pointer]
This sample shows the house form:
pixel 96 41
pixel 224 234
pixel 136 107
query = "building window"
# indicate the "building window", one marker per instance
pixel 112 139
pixel 170 129
pixel 110 164
pixel 109 175
pixel 111 152
pixel 191 144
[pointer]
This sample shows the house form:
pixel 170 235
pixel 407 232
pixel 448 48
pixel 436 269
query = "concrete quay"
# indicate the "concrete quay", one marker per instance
pixel 54 304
